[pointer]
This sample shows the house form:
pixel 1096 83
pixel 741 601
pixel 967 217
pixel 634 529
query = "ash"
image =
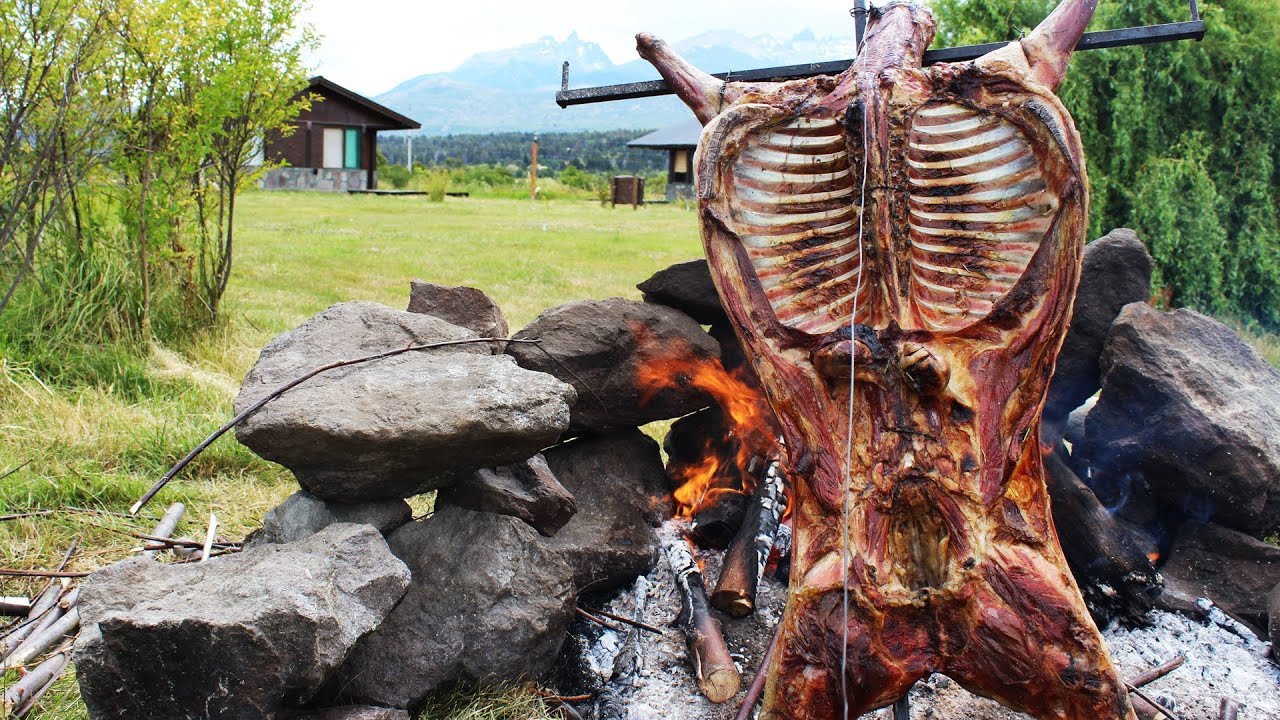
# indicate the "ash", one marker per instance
pixel 637 675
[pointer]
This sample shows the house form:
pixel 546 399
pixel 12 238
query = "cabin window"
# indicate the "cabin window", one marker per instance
pixel 341 148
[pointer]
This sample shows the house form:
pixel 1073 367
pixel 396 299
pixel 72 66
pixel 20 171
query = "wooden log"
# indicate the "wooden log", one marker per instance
pixel 22 695
pixel 164 529
pixel 39 642
pixel 717 677
pixel 745 560
pixel 1115 576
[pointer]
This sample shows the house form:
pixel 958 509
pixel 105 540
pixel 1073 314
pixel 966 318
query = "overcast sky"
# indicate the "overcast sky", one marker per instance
pixel 372 45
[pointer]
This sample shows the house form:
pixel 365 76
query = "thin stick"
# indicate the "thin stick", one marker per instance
pixel 562 698
pixel 209 537
pixel 7 473
pixel 1159 708
pixel 1150 676
pixel 628 621
pixel 1228 709
pixel 597 620
pixel 757 683
pixel 19 516
pixel 186 460
pixel 164 529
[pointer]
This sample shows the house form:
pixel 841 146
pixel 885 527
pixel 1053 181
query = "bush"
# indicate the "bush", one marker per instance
pixel 397 175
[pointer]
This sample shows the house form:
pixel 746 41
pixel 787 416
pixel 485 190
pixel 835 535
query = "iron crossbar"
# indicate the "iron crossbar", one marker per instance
pixel 1147 34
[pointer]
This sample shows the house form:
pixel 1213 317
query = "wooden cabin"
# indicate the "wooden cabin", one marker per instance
pixel 679 141
pixel 334 146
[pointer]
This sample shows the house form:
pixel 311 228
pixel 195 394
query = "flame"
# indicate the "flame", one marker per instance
pixel 750 425
pixel 1154 557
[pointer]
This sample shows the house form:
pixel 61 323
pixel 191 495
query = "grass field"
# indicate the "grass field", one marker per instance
pixel 97 446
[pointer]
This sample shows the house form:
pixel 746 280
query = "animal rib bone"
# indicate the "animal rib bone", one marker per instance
pixel 947 205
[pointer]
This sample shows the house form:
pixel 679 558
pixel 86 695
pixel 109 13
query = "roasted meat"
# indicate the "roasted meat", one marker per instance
pixel 898 248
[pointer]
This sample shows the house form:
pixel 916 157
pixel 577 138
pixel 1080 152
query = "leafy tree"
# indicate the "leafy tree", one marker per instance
pixel 1182 139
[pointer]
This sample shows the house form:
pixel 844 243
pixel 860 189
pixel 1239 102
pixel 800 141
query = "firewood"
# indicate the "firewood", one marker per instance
pixel 1150 676
pixel 757 684
pixel 166 526
pixel 713 668
pixel 41 641
pixel 744 562
pixel 14 636
pixel 20 696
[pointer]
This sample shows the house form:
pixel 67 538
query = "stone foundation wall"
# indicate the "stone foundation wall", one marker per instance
pixel 331 179
pixel 679 191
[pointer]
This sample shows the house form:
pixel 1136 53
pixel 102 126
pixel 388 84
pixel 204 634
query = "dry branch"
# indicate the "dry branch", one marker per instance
pixel 10 572
pixel 757 684
pixel 628 621
pixel 186 460
pixel 39 642
pixel 21 696
pixel 712 666
pixel 744 561
pixel 1156 673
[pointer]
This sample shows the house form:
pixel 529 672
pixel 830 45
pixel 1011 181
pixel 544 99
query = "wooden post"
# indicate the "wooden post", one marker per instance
pixel 533 171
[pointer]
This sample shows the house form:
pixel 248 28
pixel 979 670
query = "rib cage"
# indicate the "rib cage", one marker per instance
pixel 979 207
pixel 797 220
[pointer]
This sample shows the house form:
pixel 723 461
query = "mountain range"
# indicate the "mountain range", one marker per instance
pixel 514 89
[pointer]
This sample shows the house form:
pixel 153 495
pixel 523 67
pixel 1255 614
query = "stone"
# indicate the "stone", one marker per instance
pixel 1273 621
pixel 687 287
pixel 396 427
pixel 460 305
pixel 302 515
pixel 240 637
pixel 599 346
pixel 526 490
pixel 488 601
pixel 1234 570
pixel 354 712
pixel 622 495
pixel 1116 271
pixel 1188 411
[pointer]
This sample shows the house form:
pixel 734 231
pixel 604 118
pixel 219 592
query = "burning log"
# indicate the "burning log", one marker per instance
pixel 1115 576
pixel 713 668
pixel 744 563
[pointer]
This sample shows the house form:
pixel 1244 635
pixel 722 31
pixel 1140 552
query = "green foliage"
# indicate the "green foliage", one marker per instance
pixel 397 175
pixel 437 183
pixel 594 152
pixel 1182 139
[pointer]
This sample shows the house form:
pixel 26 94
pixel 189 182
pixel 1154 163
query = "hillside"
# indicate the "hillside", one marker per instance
pixel 594 151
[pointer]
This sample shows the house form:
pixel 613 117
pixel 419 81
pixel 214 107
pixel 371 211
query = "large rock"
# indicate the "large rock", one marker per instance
pixel 621 489
pixel 687 287
pixel 241 637
pixel 599 346
pixel 302 515
pixel 526 490
pixel 1192 410
pixel 1234 570
pixel 488 601
pixel 460 305
pixel 1116 271
pixel 354 712
pixel 400 426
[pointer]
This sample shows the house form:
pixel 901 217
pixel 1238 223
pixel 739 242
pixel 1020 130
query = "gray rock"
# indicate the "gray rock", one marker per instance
pixel 1116 271
pixel 600 345
pixel 303 515
pixel 1273 621
pixel 400 426
pixel 527 490
pixel 463 306
pixel 488 601
pixel 1234 570
pixel 622 495
pixel 241 637
pixel 1190 410
pixel 354 712
pixel 687 287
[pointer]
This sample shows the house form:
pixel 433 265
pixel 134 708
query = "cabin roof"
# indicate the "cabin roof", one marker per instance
pixel 395 121
pixel 683 134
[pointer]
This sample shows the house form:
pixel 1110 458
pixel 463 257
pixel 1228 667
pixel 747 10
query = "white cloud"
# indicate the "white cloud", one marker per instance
pixel 373 45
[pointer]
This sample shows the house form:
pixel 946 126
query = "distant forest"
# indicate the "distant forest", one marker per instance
pixel 597 152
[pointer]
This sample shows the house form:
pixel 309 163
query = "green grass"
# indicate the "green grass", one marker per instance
pixel 92 426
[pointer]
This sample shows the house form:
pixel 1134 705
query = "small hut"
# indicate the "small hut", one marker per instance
pixel 334 146
pixel 679 140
